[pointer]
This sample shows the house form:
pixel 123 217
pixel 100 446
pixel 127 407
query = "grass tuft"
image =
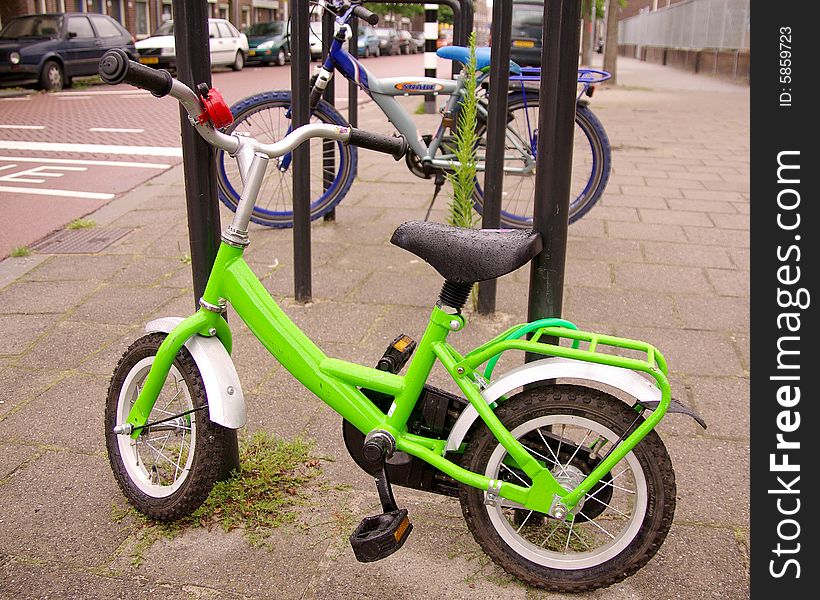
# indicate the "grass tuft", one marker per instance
pixel 262 496
pixel 81 224
pixel 20 251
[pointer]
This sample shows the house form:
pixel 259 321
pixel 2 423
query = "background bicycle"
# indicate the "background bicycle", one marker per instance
pixel 266 116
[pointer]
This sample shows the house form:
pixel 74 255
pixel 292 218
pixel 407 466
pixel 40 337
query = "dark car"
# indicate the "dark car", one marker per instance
pixel 268 42
pixel 407 45
pixel 50 49
pixel 527 32
pixel 388 41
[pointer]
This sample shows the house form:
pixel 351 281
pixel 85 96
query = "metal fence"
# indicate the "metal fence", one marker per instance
pixel 695 24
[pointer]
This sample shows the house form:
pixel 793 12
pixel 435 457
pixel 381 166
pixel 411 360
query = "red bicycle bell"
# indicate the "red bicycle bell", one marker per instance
pixel 216 110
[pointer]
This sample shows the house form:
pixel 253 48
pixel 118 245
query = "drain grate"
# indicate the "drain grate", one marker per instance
pixel 79 241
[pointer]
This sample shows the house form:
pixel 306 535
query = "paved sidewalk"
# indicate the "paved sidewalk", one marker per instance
pixel 664 257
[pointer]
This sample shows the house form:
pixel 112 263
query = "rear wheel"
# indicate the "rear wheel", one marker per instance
pixel 266 117
pixel 238 61
pixel 52 78
pixel 167 471
pixel 591 161
pixel 617 527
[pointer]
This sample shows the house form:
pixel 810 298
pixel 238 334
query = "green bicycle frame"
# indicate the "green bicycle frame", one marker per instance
pixel 337 382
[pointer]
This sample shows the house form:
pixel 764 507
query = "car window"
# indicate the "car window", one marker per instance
pixel 234 31
pixel 105 27
pixel 166 28
pixel 33 26
pixel 81 26
pixel 527 19
pixel 224 30
pixel 212 30
pixel 272 28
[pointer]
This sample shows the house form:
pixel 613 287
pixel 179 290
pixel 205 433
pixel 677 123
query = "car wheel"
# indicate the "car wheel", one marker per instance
pixel 280 57
pixel 238 62
pixel 52 78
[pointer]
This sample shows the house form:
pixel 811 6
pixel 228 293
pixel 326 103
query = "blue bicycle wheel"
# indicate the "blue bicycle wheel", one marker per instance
pixel 591 162
pixel 266 117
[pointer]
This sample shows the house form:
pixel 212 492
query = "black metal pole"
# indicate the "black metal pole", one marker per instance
pixel 193 61
pixel 556 124
pixel 300 114
pixel 496 139
pixel 328 159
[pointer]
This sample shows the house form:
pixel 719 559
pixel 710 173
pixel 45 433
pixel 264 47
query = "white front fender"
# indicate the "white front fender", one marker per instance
pixel 547 369
pixel 226 402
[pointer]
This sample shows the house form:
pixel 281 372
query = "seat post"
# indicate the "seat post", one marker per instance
pixel 454 294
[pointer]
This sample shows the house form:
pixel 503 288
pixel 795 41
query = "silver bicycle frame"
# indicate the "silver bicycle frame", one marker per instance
pixel 384 92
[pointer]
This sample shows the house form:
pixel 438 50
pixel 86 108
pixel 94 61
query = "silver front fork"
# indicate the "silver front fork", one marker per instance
pixel 236 233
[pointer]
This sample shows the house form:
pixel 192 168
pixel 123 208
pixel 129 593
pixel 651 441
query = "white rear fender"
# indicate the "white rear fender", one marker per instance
pixel 546 369
pixel 226 402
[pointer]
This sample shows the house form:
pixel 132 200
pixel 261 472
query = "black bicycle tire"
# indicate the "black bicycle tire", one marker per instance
pixel 599 143
pixel 208 446
pixel 650 453
pixel 328 201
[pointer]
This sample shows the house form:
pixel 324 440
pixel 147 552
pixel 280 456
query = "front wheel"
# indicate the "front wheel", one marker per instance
pixel 616 528
pixel 169 469
pixel 52 78
pixel 591 161
pixel 266 117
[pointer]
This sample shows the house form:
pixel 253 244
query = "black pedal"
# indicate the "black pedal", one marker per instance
pixel 380 536
pixel 397 354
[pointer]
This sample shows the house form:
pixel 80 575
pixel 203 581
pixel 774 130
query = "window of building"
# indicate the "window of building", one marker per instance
pixel 142 17
pixel 167 12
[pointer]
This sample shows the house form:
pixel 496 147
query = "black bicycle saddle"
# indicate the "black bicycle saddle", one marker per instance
pixel 468 255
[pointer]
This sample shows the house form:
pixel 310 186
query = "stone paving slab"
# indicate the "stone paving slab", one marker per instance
pixel 664 257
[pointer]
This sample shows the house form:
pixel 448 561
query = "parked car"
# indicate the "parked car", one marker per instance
pixel 527 32
pixel 315 40
pixel 445 38
pixel 268 43
pixel 228 46
pixel 418 37
pixel 388 40
pixel 407 45
pixel 368 40
pixel 50 49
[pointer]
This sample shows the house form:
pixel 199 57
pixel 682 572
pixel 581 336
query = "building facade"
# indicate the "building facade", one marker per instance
pixel 141 17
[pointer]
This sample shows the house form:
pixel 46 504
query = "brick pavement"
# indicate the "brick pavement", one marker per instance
pixel 665 257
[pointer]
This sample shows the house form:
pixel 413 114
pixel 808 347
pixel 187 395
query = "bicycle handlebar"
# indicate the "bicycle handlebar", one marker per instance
pixel 394 146
pixel 115 67
pixel 366 15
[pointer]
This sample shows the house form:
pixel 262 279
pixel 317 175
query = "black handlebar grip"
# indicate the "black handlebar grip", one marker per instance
pixel 115 67
pixel 394 146
pixel 366 15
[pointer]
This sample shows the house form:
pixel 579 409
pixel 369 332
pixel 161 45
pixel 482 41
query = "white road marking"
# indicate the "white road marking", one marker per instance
pixel 78 161
pixel 51 192
pixel 41 171
pixel 115 130
pixel 91 148
pixel 23 99
pixel 22 127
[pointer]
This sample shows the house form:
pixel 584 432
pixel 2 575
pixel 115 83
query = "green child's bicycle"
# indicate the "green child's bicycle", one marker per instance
pixel 565 486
